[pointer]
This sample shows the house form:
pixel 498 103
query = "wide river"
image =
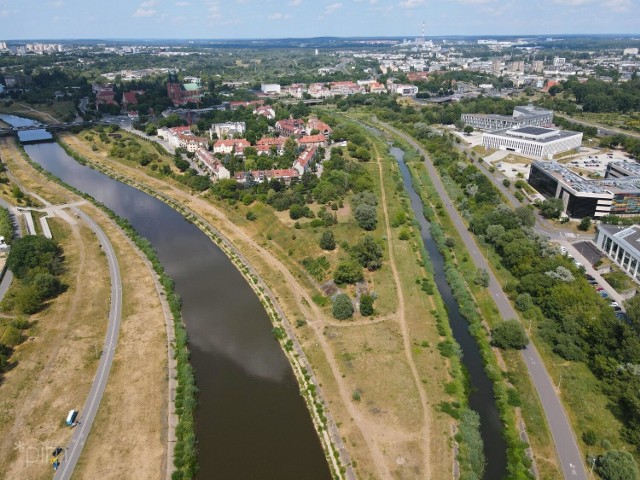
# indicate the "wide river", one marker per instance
pixel 252 422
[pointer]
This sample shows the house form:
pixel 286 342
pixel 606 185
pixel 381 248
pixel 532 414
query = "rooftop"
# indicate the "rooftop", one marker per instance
pixel 535 134
pixel 627 237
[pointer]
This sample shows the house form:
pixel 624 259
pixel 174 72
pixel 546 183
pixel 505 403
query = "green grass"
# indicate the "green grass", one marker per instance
pixel 619 280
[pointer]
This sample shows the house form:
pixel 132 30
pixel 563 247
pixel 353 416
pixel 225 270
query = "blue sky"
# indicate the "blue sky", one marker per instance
pixel 309 18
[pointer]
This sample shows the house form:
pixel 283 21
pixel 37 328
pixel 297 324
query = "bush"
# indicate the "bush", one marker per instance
pixel 585 224
pixel 348 271
pixel 366 305
pixel 589 437
pixel 509 335
pixel 404 234
pixel 327 241
pixel 618 465
pixel 368 253
pixel 366 217
pixel 482 277
pixel 251 216
pixel 342 307
pixel 524 302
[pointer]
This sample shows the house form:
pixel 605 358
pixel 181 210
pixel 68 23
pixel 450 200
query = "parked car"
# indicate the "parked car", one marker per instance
pixel 614 304
pixel 604 294
pixel 599 288
pixel 617 309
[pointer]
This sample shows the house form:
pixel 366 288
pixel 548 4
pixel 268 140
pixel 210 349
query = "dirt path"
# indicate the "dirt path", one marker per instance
pixel 406 337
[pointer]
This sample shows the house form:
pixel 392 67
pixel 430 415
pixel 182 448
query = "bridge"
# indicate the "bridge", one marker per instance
pixel 50 128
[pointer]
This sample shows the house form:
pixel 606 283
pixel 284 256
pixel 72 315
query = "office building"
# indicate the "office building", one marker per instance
pixel 589 198
pixel 533 141
pixel 523 116
pixel 620 244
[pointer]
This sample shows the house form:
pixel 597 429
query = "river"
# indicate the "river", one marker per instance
pixel 251 421
pixel 481 392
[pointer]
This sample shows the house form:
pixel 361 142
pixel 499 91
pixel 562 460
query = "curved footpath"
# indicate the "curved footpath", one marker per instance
pixel 565 441
pixel 88 413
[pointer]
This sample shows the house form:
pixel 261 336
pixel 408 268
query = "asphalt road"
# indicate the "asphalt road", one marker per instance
pixel 88 412
pixel 571 460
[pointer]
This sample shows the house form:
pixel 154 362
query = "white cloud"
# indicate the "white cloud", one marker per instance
pixel 332 8
pixel 618 5
pixel 295 3
pixel 411 3
pixel 183 4
pixel 213 7
pixel 141 12
pixel 278 16
pixel 57 4
pixel 146 9
pixel 4 13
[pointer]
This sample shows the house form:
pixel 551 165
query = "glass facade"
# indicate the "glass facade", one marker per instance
pixel 543 182
pixel 626 204
pixel 580 207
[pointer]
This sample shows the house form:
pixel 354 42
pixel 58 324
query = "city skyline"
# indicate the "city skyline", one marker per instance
pixel 213 19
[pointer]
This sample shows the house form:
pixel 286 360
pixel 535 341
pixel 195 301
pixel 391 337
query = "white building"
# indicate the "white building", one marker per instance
pixel 218 171
pixel 404 90
pixel 534 141
pixel 229 129
pixel 522 116
pixel 270 88
pixel 630 51
pixel 620 245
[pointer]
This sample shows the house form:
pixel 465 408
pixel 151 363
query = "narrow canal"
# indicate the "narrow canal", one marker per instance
pixel 252 422
pixel 481 397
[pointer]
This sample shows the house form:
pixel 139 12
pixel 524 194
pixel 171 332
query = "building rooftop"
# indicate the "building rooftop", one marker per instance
pixel 583 185
pixel 627 237
pixel 535 134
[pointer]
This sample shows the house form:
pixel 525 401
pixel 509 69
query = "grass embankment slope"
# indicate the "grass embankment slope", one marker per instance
pixel 55 370
pixel 54 113
pixel 391 427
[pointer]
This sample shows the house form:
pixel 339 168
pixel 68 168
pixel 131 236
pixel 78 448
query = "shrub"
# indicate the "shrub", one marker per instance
pixel 251 216
pixel 618 465
pixel 524 302
pixel 327 241
pixel 509 335
pixel 482 277
pixel 366 305
pixel 366 217
pixel 342 307
pixel 348 271
pixel 589 437
pixel 368 253
pixel 404 234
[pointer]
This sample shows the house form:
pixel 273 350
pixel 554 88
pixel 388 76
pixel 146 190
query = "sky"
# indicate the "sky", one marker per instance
pixel 69 19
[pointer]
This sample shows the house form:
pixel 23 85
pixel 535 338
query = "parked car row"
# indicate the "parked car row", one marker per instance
pixel 602 293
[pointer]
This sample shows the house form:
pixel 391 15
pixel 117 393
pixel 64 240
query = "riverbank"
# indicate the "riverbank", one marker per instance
pixel 346 358
pixel 142 343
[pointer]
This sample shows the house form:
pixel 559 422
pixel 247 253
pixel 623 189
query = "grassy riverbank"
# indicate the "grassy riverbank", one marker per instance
pixel 138 439
pixel 347 357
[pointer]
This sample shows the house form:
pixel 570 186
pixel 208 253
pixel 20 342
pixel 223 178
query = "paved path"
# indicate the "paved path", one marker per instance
pixel 603 130
pixel 88 413
pixel 571 460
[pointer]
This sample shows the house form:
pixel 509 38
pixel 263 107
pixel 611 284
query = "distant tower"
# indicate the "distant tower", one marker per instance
pixel 316 51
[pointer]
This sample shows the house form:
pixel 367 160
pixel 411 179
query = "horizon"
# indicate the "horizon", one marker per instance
pixel 271 19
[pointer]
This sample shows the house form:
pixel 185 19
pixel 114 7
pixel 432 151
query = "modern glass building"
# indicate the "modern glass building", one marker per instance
pixel 621 244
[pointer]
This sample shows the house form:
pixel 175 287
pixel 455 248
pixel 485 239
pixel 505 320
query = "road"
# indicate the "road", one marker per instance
pixel 571 460
pixel 602 130
pixel 88 413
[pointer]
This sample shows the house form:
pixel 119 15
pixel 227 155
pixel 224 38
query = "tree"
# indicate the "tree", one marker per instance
pixel 29 299
pixel 348 271
pixel 366 216
pixel 585 224
pixel 509 335
pixel 482 277
pixel 552 208
pixel 366 305
pixel 468 129
pixel 327 240
pixel 618 465
pixel 33 253
pixel 48 285
pixel 524 302
pixel 526 215
pixel 368 253
pixel 342 307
